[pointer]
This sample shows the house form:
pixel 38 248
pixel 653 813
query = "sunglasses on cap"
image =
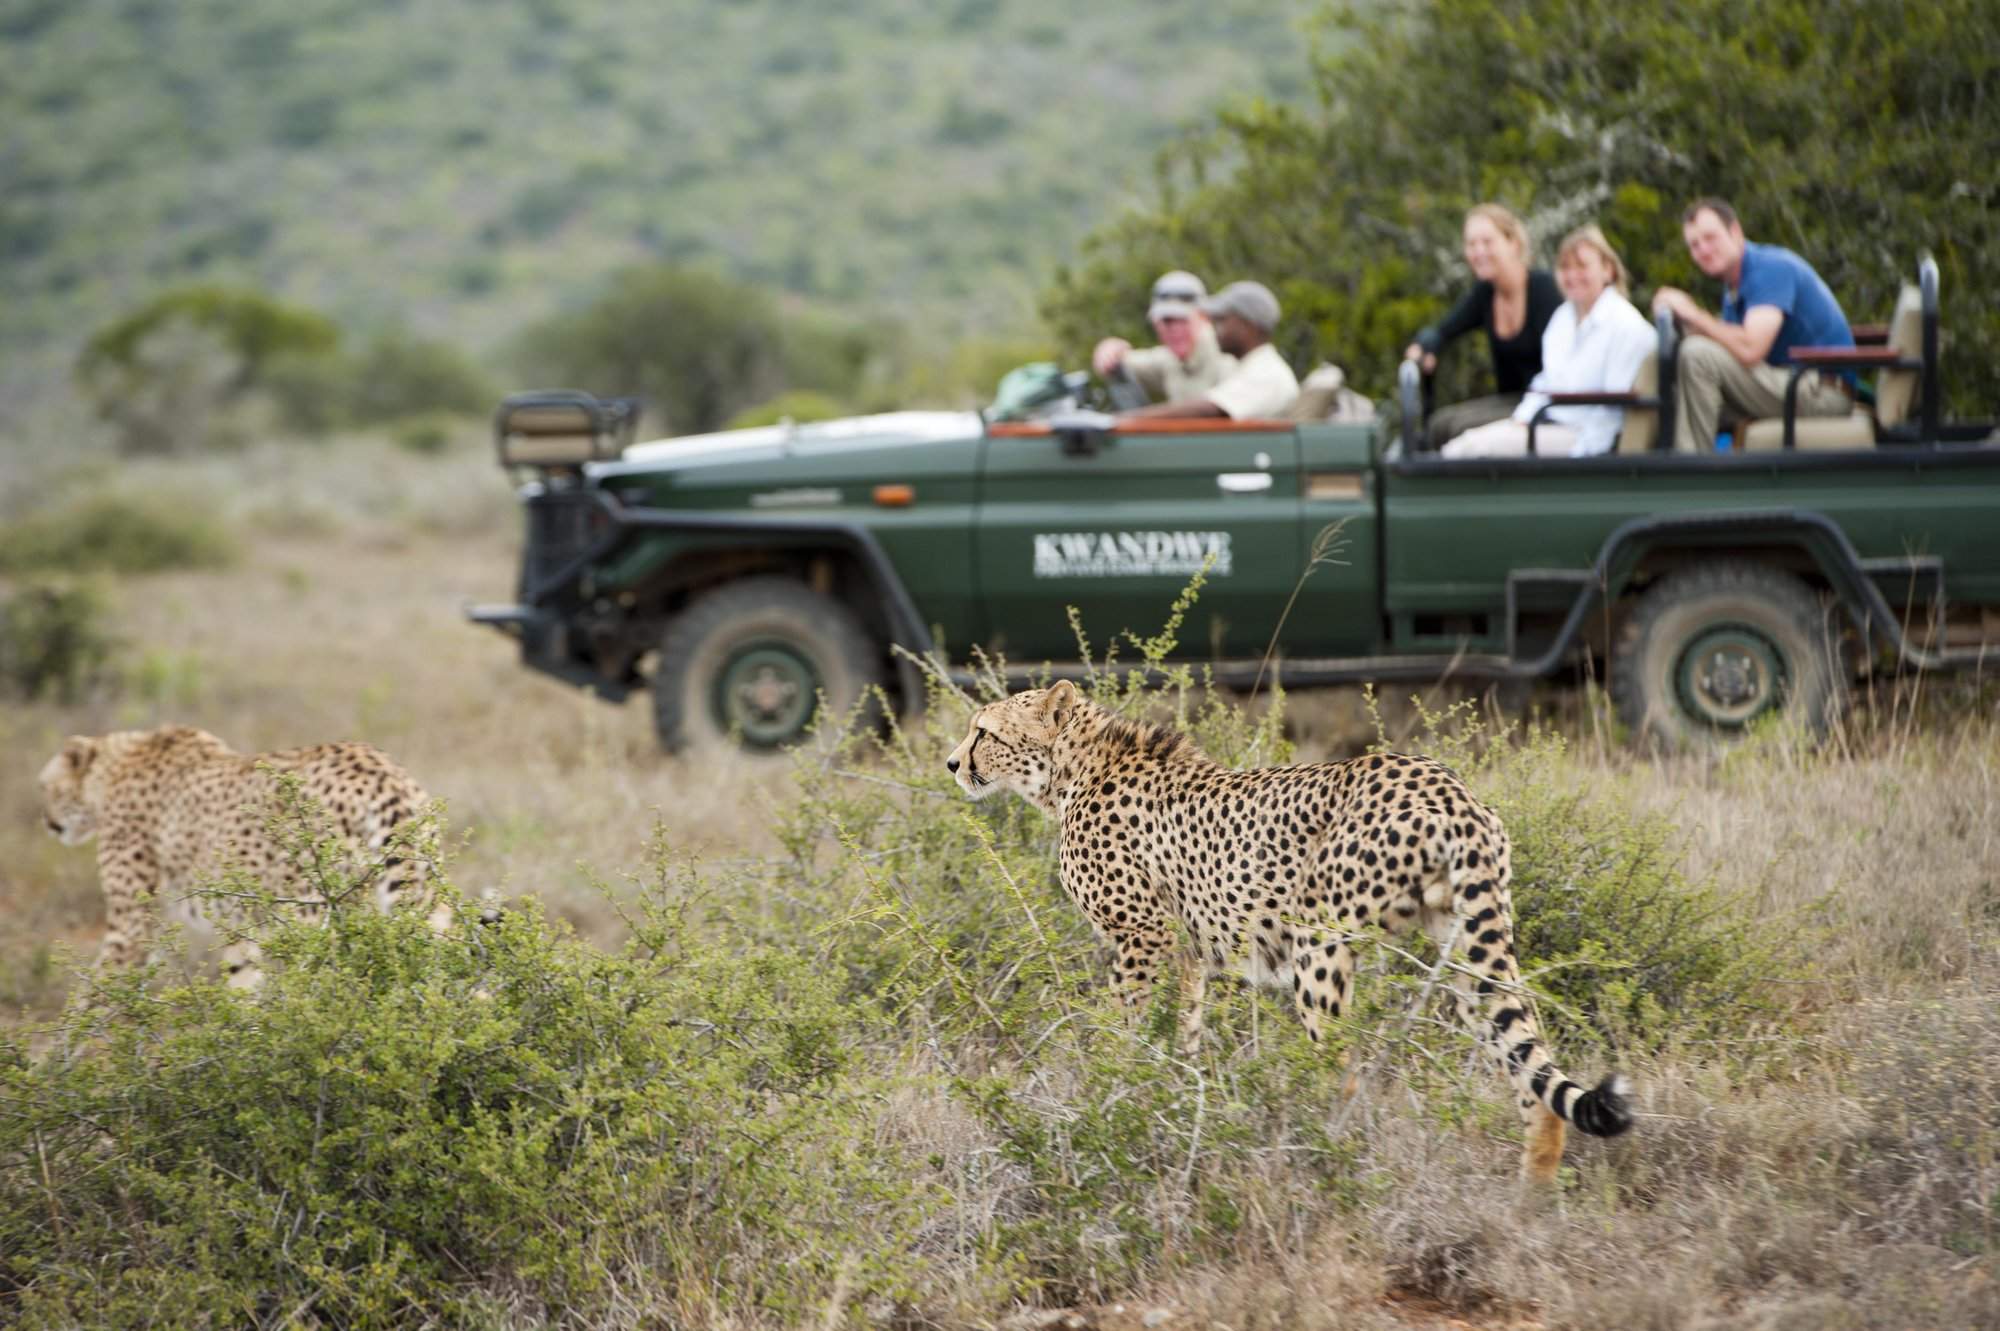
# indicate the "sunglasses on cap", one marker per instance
pixel 1187 295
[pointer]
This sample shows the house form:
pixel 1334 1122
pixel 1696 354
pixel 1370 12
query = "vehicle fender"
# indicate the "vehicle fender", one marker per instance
pixel 1815 536
pixel 788 531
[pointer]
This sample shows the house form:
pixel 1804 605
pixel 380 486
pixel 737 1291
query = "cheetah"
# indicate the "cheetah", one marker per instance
pixel 173 809
pixel 1274 867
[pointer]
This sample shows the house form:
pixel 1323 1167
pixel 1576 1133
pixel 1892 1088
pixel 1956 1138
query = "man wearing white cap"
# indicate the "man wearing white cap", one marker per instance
pixel 1187 363
pixel 1262 386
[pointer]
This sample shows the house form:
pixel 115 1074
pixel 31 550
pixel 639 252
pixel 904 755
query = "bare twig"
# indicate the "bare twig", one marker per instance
pixel 935 670
pixel 1403 1024
pixel 886 781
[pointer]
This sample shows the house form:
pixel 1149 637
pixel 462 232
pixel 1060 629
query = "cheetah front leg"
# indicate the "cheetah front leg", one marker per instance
pixel 1141 956
pixel 1125 909
pixel 128 874
pixel 242 966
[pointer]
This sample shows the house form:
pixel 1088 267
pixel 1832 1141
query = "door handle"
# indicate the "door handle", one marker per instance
pixel 1242 482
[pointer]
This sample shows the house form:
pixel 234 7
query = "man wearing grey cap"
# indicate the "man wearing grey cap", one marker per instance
pixel 1187 363
pixel 1262 387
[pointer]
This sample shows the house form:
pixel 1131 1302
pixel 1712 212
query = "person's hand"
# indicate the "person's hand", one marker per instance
pixel 1109 355
pixel 1674 301
pixel 1415 351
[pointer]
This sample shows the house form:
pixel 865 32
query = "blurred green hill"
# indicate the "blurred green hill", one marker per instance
pixel 463 168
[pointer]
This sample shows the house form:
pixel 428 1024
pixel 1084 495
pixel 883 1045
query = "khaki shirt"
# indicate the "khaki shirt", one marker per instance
pixel 1263 387
pixel 1167 378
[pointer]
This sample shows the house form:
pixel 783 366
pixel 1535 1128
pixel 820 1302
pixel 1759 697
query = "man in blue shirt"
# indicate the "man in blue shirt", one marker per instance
pixel 1772 301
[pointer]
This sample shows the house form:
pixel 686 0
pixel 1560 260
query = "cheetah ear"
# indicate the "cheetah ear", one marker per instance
pixel 79 751
pixel 1058 704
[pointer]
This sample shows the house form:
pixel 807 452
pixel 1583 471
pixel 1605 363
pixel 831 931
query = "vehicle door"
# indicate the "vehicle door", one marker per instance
pixel 1116 522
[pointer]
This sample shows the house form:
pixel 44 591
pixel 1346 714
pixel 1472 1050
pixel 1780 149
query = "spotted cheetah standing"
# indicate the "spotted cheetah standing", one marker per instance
pixel 1275 867
pixel 173 809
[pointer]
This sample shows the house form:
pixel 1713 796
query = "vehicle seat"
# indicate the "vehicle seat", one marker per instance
pixel 1825 433
pixel 1642 424
pixel 1325 396
pixel 1896 389
pixel 1895 393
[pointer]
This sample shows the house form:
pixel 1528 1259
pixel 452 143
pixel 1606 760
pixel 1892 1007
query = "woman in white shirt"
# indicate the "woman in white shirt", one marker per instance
pixel 1595 344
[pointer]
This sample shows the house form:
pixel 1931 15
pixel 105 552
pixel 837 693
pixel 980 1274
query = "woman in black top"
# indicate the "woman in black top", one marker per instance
pixel 1511 302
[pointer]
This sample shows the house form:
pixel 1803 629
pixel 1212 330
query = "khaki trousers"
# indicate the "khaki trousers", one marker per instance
pixel 1711 379
pixel 1449 422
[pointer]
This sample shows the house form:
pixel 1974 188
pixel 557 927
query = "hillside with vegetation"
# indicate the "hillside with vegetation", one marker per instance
pixel 463 169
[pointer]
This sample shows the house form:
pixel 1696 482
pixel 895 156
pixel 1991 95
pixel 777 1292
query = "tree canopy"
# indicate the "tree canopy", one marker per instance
pixel 1857 133
pixel 699 347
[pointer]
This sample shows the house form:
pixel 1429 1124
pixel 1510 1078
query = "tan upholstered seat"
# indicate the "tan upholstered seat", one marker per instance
pixel 1856 430
pixel 1325 396
pixel 1642 424
pixel 1895 392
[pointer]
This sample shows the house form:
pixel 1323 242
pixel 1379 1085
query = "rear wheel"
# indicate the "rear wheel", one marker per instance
pixel 1711 650
pixel 748 663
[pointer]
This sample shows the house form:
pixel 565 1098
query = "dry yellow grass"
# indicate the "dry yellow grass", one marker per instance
pixel 1737 1202
pixel 343 621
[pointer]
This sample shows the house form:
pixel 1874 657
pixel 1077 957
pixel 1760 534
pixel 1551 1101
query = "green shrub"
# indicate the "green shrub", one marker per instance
pixel 162 375
pixel 312 394
pixel 53 643
pixel 962 375
pixel 399 375
pixel 254 326
pixel 800 405
pixel 394 378
pixel 428 433
pixel 1608 927
pixel 117 534
pixel 173 375
pixel 1131 1161
pixel 402 1128
pixel 698 347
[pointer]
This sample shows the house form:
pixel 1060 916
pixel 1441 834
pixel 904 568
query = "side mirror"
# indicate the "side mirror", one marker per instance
pixel 1083 433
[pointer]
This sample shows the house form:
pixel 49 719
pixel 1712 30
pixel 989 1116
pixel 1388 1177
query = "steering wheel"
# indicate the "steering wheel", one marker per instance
pixel 1080 390
pixel 1115 392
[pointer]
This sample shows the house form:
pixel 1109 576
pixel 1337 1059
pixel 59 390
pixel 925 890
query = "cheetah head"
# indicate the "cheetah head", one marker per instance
pixel 66 808
pixel 1007 745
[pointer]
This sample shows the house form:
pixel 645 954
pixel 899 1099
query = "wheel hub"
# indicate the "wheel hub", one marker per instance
pixel 1729 675
pixel 766 690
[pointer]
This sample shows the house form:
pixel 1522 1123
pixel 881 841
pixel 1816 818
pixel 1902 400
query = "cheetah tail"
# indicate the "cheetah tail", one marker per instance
pixel 1604 1112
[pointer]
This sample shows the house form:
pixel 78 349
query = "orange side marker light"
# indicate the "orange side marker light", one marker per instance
pixel 895 496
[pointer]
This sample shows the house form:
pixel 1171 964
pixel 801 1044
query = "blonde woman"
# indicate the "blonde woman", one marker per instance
pixel 1595 343
pixel 1510 302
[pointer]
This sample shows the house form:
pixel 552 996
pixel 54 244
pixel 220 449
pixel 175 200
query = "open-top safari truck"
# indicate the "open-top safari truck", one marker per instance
pixel 740 575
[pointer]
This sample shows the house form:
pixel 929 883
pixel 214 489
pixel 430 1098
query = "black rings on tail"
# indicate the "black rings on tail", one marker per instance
pixel 1606 1111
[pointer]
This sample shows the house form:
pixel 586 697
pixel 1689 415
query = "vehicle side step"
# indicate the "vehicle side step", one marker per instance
pixel 508 618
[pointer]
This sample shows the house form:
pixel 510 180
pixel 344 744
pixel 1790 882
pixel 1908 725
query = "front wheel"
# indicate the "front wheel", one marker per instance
pixel 1710 650
pixel 748 662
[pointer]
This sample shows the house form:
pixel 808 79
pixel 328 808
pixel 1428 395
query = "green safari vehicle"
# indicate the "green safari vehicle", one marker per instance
pixel 744 575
